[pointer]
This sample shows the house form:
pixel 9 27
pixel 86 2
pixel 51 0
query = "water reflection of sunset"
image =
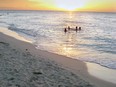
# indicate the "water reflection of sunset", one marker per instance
pixel 68 48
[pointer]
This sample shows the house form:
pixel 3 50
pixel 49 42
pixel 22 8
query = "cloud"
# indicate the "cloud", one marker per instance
pixel 10 1
pixel 46 2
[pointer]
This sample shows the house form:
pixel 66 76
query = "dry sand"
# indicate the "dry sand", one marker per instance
pixel 22 65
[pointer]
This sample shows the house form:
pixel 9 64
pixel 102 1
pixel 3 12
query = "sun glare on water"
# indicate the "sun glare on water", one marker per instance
pixel 70 5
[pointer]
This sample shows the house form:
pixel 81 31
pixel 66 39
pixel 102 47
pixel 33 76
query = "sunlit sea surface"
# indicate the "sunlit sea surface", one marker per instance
pixel 95 43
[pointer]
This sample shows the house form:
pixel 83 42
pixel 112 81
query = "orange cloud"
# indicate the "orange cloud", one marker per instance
pixel 19 5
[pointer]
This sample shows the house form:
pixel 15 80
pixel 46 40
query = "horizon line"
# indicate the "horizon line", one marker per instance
pixel 55 10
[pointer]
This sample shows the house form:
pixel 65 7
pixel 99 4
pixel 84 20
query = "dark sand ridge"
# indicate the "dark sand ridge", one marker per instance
pixel 73 65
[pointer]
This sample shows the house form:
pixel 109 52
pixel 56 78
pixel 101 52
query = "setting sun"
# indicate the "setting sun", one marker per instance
pixel 69 4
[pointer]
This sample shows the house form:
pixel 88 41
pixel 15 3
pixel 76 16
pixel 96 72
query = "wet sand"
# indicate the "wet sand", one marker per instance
pixel 24 65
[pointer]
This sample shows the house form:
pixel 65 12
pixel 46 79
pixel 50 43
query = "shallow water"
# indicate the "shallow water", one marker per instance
pixel 96 42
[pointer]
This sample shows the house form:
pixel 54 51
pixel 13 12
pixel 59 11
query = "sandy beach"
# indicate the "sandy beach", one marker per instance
pixel 22 65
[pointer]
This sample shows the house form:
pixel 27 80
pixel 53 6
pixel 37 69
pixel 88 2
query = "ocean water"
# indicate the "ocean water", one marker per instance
pixel 95 43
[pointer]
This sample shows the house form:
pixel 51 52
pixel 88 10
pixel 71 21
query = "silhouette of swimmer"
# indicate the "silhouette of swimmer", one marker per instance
pixel 76 28
pixel 79 28
pixel 68 27
pixel 65 30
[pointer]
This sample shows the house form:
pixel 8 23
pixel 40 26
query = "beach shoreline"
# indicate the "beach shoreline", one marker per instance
pixel 77 67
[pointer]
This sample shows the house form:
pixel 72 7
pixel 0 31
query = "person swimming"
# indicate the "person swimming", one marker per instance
pixel 76 28
pixel 68 27
pixel 65 30
pixel 79 28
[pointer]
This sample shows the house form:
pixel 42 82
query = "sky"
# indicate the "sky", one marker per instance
pixel 63 5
